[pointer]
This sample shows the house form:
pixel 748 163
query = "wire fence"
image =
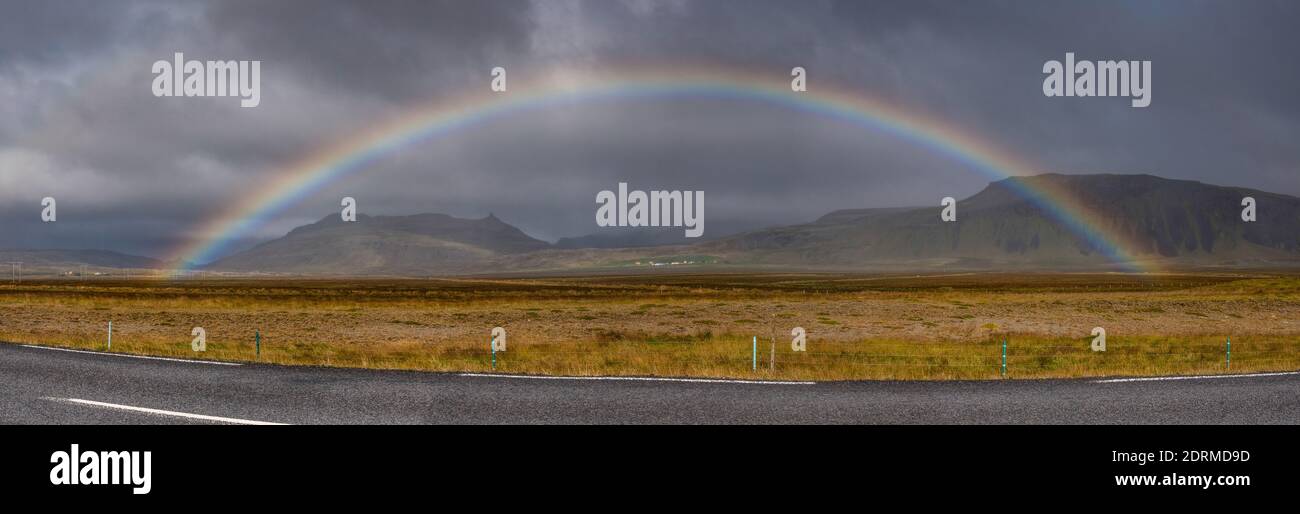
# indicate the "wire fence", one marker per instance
pixel 887 360
pixel 764 357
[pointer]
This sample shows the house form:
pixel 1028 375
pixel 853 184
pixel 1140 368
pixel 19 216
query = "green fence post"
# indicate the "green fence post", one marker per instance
pixel 1228 355
pixel 257 342
pixel 1004 358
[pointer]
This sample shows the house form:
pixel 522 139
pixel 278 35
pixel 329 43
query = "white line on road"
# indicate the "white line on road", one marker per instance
pixel 161 412
pixel 1195 377
pixel 643 379
pixel 169 359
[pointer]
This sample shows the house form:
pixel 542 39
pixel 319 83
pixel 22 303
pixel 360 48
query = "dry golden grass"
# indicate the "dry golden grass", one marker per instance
pixel 859 327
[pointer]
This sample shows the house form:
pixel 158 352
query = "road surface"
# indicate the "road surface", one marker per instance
pixel 52 386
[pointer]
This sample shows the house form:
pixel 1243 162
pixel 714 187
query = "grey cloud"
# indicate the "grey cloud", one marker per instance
pixel 139 173
pixel 402 50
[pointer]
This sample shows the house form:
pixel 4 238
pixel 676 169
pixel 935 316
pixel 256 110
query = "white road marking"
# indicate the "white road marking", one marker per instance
pixel 642 379
pixel 161 412
pixel 1194 377
pixel 169 359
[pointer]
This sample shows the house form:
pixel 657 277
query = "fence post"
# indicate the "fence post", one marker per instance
pixel 754 354
pixel 771 365
pixel 110 336
pixel 1228 355
pixel 1004 357
pixel 257 342
pixel 493 345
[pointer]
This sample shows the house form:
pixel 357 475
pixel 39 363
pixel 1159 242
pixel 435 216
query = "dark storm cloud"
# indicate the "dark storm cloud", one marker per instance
pixel 404 49
pixel 43 32
pixel 138 173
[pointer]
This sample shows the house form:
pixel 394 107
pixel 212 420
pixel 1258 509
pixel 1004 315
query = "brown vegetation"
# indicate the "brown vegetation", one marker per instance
pixel 859 326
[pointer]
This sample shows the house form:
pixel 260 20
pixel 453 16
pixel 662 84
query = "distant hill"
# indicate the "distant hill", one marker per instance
pixel 853 215
pixel 1159 220
pixel 416 244
pixel 640 237
pixel 1170 222
pixel 60 261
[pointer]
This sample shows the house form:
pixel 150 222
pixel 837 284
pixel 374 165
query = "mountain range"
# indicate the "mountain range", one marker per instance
pixel 396 245
pixel 71 261
pixel 1153 220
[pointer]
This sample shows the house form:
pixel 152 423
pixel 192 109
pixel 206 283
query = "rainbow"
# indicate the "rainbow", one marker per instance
pixel 353 154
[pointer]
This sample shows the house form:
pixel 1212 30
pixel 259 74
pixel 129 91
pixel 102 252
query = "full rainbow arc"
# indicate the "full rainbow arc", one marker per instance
pixel 356 153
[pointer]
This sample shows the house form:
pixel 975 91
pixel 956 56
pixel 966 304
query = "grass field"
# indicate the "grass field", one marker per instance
pixel 858 326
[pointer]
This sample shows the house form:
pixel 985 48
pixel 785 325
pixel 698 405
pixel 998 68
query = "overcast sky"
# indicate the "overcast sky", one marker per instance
pixel 138 174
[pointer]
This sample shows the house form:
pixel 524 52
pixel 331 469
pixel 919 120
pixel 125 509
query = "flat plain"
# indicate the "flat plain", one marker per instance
pixel 859 326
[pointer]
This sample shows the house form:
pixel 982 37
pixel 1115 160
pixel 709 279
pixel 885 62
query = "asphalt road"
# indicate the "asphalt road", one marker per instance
pixel 47 386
